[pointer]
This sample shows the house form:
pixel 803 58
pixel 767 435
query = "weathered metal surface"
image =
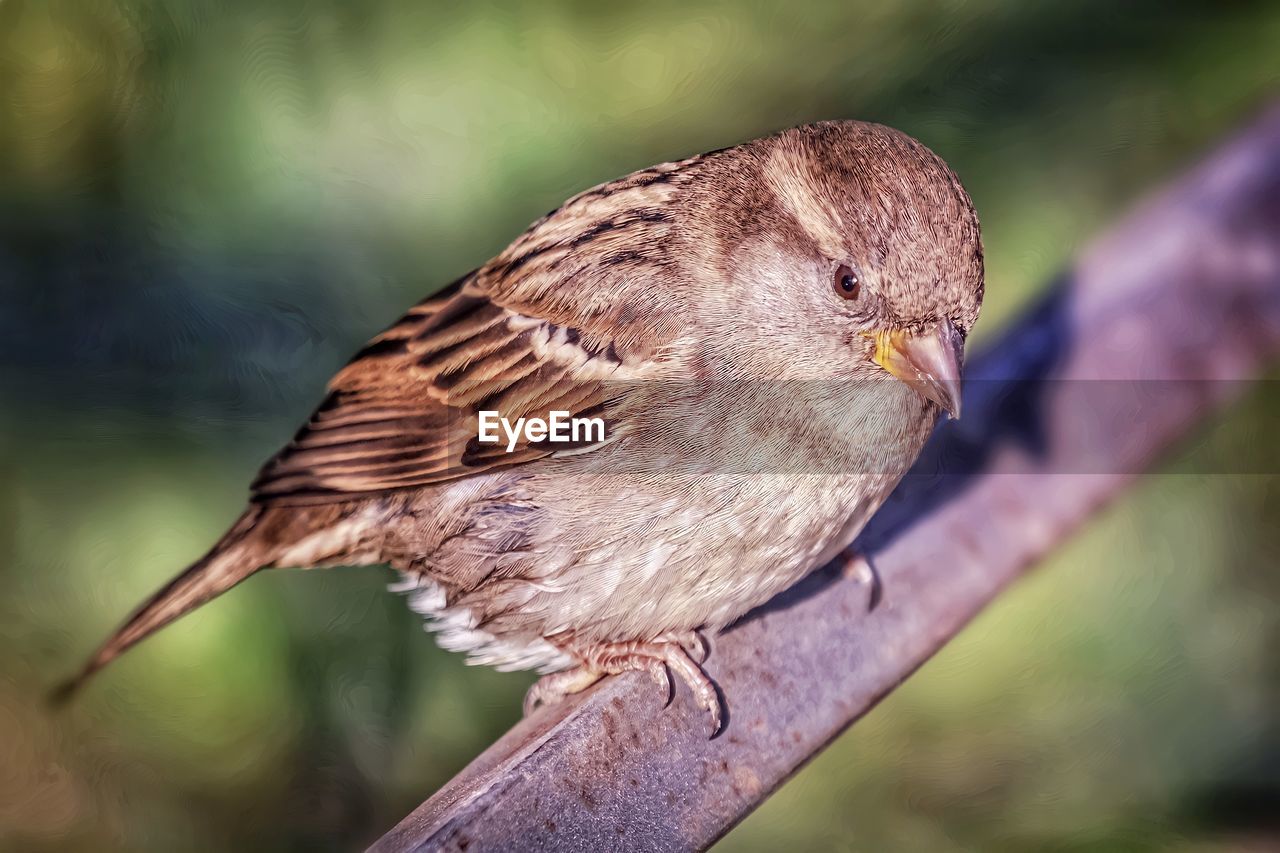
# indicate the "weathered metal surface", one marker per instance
pixel 1151 332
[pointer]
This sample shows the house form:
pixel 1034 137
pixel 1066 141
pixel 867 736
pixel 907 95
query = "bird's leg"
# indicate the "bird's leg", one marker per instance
pixel 856 566
pixel 550 689
pixel 669 654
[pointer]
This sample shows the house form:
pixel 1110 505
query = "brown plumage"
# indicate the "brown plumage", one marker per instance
pixel 769 332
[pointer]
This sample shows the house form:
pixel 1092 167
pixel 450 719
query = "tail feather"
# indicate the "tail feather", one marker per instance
pixel 230 561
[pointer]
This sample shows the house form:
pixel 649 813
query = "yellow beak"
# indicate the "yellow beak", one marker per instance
pixel 928 362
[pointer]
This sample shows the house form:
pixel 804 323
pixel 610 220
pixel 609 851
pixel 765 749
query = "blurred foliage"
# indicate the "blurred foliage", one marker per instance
pixel 206 205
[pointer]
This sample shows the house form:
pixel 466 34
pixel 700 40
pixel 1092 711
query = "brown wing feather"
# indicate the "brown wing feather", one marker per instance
pixel 404 411
pixel 544 326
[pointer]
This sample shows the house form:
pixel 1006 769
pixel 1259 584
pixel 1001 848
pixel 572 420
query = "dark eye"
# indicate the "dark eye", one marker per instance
pixel 846 282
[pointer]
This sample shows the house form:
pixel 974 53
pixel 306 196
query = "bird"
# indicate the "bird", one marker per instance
pixel 768 334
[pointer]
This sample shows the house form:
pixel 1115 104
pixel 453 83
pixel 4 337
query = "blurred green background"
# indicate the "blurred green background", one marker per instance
pixel 206 206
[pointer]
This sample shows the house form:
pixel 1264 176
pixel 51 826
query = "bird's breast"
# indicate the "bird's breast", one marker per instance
pixel 632 543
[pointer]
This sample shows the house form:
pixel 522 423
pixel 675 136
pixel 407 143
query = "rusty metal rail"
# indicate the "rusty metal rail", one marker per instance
pixel 1155 328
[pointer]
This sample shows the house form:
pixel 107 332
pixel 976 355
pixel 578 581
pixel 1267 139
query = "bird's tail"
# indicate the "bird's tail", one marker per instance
pixel 230 561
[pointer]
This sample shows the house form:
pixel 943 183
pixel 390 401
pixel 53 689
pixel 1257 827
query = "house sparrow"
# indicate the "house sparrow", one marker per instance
pixel 814 287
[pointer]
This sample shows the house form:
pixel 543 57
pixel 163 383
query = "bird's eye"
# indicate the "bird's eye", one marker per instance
pixel 847 284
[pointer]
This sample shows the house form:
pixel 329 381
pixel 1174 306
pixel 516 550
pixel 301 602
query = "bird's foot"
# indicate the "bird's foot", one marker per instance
pixel 550 689
pixel 676 653
pixel 856 566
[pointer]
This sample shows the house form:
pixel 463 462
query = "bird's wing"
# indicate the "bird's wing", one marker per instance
pixel 568 314
pixel 404 411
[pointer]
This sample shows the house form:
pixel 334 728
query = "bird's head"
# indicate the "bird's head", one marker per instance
pixel 853 249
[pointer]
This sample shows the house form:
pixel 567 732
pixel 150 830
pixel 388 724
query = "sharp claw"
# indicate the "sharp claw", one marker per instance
pixel 661 674
pixel 858 568
pixel 706 698
pixel 717 723
pixel 704 647
pixel 709 701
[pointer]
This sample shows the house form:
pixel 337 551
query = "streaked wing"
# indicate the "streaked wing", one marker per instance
pixel 404 411
pixel 571 307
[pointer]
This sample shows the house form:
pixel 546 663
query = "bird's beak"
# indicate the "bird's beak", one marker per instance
pixel 929 362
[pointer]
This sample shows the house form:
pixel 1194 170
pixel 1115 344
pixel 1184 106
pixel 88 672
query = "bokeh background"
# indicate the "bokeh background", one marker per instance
pixel 205 206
